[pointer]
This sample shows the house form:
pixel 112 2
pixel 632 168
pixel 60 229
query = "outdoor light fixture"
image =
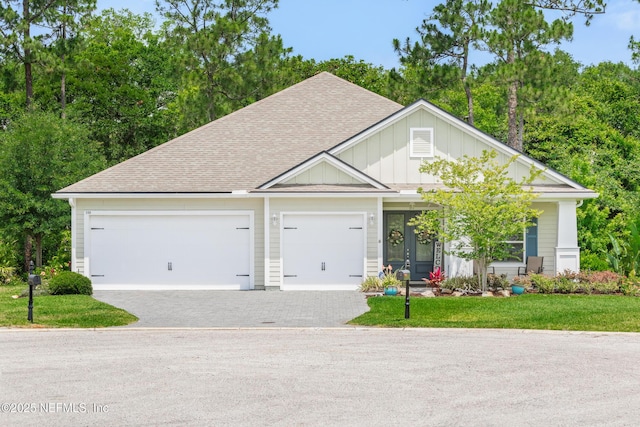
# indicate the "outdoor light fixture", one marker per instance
pixel 274 220
pixel 372 218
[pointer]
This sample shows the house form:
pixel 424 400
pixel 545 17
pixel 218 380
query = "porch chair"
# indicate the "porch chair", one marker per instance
pixel 534 265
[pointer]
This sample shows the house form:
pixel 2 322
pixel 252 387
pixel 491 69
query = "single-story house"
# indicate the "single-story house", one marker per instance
pixel 310 188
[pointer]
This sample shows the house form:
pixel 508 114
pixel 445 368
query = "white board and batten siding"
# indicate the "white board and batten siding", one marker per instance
pixel 386 154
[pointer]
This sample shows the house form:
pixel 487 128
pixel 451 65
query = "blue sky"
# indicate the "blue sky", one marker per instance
pixel 325 29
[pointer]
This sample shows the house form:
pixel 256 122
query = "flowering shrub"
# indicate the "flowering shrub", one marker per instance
pixel 436 277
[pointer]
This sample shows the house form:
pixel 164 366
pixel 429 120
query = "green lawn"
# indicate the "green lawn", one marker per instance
pixel 58 311
pixel 529 311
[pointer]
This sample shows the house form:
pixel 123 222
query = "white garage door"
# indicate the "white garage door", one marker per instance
pixel 129 250
pixel 322 251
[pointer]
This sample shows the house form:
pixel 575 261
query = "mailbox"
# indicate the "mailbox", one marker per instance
pixel 34 280
pixel 403 275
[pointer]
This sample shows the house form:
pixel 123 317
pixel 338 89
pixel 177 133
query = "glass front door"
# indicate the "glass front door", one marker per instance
pixel 402 245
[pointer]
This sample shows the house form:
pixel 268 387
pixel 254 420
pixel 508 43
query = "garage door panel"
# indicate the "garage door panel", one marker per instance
pixel 323 251
pixel 171 250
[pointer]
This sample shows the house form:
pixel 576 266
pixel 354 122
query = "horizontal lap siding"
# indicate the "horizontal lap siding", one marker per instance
pixel 255 205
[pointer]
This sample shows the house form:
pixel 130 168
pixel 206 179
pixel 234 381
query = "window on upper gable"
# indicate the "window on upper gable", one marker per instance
pixel 421 144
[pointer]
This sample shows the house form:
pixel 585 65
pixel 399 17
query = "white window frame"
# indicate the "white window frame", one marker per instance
pixel 421 153
pixel 523 241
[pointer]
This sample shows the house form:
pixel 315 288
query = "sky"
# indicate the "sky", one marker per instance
pixel 326 29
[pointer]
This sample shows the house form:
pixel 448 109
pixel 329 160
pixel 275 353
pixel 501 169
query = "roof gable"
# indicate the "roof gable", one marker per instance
pixel 383 151
pixel 323 169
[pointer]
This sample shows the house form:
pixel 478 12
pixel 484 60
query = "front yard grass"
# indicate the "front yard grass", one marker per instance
pixel 58 311
pixel 530 311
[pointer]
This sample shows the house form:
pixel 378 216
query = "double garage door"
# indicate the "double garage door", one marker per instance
pixel 203 250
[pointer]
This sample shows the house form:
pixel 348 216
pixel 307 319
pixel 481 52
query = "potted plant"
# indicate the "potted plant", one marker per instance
pixel 520 284
pixel 390 282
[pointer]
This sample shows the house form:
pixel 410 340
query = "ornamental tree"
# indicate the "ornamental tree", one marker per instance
pixel 481 207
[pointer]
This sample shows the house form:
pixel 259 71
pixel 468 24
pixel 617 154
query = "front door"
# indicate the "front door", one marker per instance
pixel 402 245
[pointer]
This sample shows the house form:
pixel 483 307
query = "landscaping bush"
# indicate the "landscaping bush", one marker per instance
pixel 464 284
pixel 630 286
pixel 495 281
pixel 7 274
pixel 68 282
pixel 371 284
pixel 544 284
pixel 603 282
pixel 565 285
pixel 593 262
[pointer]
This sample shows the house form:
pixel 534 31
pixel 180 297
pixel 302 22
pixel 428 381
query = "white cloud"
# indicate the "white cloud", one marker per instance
pixel 624 15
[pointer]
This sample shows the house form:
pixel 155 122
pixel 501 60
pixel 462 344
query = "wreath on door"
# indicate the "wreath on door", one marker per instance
pixel 425 237
pixel 395 237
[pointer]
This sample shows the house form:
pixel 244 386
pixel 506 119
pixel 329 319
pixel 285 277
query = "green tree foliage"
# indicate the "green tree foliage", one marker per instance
pixel 123 84
pixel 41 153
pixel 447 36
pixel 482 207
pixel 595 141
pixel 27 26
pixel 65 22
pixel 519 33
pixel 224 48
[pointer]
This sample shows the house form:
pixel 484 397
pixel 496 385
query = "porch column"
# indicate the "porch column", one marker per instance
pixel 567 252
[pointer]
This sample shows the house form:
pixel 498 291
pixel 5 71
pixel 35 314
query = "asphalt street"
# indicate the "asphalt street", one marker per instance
pixel 317 376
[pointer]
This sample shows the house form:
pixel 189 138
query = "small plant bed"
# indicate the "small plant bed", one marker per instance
pixel 610 313
pixel 57 311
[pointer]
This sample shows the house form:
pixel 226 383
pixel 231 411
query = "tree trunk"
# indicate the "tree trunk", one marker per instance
pixel 467 90
pixel 28 77
pixel 465 83
pixel 63 77
pixel 38 250
pixel 28 248
pixel 63 94
pixel 512 105
pixel 521 131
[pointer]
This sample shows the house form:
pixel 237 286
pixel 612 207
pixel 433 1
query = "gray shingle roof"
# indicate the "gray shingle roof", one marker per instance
pixel 249 147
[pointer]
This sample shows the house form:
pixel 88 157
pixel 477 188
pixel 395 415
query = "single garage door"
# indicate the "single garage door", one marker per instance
pixel 322 251
pixel 160 250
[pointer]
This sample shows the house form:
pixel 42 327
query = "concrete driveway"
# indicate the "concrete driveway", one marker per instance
pixel 234 309
pixel 317 377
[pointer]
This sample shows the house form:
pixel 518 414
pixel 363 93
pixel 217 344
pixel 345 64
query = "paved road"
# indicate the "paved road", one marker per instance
pixel 197 309
pixel 318 377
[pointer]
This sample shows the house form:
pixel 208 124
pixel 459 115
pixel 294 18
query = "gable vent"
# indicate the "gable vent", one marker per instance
pixel 421 144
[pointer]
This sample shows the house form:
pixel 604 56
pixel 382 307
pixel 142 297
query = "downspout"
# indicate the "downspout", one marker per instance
pixel 73 266
pixel 267 241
